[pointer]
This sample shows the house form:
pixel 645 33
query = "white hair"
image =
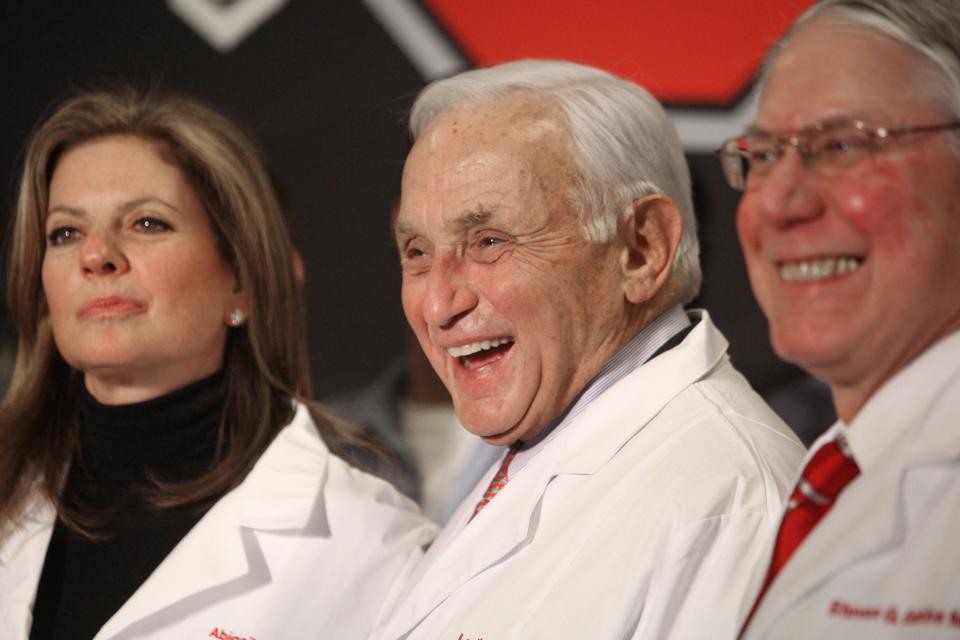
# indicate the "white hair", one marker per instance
pixel 621 143
pixel 931 28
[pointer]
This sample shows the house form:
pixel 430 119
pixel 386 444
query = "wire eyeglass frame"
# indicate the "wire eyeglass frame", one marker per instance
pixel 825 147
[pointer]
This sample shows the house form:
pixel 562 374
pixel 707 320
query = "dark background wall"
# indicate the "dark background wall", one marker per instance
pixel 325 89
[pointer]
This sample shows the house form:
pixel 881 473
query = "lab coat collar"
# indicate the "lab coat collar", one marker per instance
pixel 902 417
pixel 654 384
pixel 21 559
pixel 279 493
pixel 464 550
pixel 895 418
pixel 34 528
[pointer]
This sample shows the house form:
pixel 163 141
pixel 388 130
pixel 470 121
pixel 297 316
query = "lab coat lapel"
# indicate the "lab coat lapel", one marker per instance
pixel 21 561
pixel 221 557
pixel 198 572
pixel 501 527
pixel 825 552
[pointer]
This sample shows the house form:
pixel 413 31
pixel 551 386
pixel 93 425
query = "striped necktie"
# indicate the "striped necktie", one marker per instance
pixel 827 473
pixel 500 479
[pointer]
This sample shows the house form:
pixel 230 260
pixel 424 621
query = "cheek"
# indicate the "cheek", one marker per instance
pixel 762 274
pixel 856 204
pixel 563 308
pixel 55 288
pixel 874 200
pixel 179 280
pixel 410 300
pixel 196 290
pixel 517 295
pixel 748 231
pixel 747 224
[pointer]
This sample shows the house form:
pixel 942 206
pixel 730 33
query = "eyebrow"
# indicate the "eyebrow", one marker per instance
pixel 401 228
pixel 72 211
pixel 825 124
pixel 125 207
pixel 480 214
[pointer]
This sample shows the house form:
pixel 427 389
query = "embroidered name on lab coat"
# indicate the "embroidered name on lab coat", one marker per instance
pixel 911 617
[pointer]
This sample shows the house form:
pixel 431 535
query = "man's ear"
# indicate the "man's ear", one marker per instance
pixel 651 232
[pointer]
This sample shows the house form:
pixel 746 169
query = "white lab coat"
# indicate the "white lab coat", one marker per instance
pixel 305 547
pixel 642 518
pixel 885 561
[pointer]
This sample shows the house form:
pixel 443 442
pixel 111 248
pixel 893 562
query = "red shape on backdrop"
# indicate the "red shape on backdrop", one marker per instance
pixel 702 52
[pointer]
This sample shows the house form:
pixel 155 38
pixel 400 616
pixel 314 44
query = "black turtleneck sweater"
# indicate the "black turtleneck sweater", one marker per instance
pixel 172 438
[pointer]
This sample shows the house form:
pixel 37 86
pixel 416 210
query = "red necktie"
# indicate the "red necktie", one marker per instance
pixel 827 473
pixel 499 480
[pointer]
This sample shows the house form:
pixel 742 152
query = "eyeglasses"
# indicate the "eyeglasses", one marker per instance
pixel 825 147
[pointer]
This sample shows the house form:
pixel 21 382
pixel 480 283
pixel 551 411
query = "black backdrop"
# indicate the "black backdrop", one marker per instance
pixel 325 90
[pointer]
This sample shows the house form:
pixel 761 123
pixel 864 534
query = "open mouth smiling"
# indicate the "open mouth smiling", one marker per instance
pixel 477 354
pixel 818 268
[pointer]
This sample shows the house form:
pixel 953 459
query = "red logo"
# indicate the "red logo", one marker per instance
pixel 684 51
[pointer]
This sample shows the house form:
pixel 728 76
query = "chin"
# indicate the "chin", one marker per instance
pixel 93 362
pixel 492 430
pixel 809 350
pixel 790 347
pixel 491 433
pixel 505 439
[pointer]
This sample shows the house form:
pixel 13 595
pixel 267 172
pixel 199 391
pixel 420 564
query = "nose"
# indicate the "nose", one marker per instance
pixel 787 194
pixel 101 255
pixel 449 294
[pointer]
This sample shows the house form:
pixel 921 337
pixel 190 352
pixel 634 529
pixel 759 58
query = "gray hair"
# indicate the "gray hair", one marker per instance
pixel 621 143
pixel 931 28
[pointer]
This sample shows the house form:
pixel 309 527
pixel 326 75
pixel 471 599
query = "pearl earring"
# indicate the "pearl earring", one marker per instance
pixel 236 318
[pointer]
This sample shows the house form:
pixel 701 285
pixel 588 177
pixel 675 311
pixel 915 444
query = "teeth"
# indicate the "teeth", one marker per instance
pixel 474 347
pixel 805 270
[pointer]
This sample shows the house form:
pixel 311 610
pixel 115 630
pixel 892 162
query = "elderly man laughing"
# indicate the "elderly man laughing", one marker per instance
pixel 548 243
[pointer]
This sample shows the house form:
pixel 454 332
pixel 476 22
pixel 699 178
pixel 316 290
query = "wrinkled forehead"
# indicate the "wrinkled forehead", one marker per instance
pixel 831 68
pixel 483 157
pixel 519 125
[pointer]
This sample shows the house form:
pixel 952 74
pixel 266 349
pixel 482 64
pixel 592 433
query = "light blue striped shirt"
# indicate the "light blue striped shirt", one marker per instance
pixel 637 351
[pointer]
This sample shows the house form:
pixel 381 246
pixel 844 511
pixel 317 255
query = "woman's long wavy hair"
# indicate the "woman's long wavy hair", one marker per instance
pixel 265 360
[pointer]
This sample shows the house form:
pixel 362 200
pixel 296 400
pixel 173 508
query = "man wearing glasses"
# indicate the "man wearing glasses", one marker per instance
pixel 850 225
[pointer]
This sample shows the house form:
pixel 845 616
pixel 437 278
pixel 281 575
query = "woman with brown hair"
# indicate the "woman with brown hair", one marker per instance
pixel 162 473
